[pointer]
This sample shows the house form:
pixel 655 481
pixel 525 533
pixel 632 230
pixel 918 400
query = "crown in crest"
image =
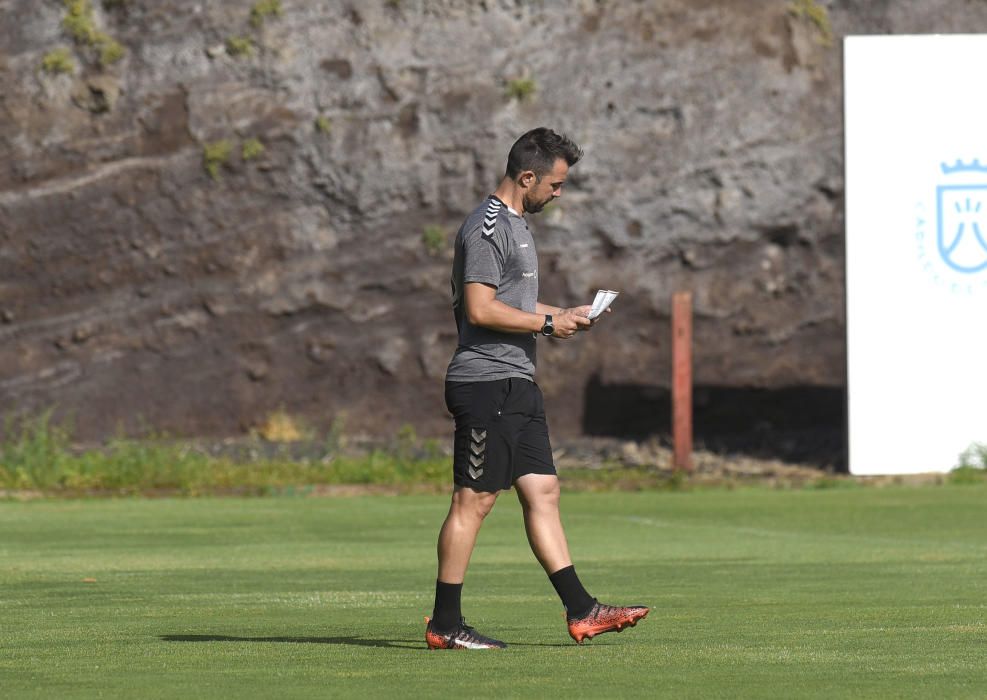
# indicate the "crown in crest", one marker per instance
pixel 960 167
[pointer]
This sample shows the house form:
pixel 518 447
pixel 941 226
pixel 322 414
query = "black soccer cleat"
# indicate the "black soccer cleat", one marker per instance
pixel 463 637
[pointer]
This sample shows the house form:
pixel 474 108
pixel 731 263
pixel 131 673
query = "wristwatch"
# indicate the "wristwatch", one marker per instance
pixel 549 327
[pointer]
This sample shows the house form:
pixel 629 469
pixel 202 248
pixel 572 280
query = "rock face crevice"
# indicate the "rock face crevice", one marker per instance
pixel 136 290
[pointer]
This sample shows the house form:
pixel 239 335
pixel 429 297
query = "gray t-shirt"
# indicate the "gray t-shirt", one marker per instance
pixel 495 247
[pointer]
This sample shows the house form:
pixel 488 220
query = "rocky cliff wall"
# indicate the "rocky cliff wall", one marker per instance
pixel 346 140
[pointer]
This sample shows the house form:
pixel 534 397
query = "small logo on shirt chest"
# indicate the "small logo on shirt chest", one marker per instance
pixel 527 274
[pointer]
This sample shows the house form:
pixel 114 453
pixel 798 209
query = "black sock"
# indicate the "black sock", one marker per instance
pixel 574 597
pixel 446 613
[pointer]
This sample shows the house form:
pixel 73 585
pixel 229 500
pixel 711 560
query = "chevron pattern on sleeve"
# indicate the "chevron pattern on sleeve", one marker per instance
pixel 490 217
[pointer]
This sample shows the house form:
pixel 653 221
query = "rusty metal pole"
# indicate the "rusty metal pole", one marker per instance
pixel 682 379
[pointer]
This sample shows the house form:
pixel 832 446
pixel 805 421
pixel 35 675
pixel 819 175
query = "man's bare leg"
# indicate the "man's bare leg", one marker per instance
pixel 456 540
pixel 539 495
pixel 458 534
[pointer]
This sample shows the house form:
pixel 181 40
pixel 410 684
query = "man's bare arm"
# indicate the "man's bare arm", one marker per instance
pixel 483 309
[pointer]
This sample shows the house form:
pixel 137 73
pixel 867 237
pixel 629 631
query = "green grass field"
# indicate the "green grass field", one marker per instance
pixel 860 592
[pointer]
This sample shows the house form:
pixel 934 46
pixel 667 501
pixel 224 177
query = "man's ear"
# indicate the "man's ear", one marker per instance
pixel 527 178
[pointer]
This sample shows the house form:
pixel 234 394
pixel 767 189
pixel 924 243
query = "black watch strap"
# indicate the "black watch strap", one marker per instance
pixel 549 327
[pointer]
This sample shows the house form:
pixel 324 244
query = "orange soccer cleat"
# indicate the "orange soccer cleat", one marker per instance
pixel 604 618
pixel 463 637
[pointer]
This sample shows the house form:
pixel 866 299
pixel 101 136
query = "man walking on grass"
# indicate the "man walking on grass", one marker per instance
pixel 501 437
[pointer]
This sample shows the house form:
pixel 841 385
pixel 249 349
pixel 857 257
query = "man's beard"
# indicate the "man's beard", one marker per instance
pixel 533 207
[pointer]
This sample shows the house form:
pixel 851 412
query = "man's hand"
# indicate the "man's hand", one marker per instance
pixel 571 321
pixel 585 312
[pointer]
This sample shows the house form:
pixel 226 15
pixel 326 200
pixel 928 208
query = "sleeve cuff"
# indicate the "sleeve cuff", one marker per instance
pixel 481 278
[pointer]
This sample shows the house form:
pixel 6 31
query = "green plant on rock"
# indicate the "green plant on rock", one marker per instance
pixel 78 22
pixel 58 61
pixel 407 436
pixel 323 125
pixel 214 155
pixel 336 436
pixel 817 15
pixel 110 50
pixel 264 9
pixel 521 89
pixel 434 238
pixel 239 46
pixel 252 148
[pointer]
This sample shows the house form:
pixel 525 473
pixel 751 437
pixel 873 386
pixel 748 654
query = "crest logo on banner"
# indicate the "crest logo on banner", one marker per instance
pixel 956 257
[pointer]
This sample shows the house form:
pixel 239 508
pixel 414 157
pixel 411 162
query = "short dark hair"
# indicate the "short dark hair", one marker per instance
pixel 538 149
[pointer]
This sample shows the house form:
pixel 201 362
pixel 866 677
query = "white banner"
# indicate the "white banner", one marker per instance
pixel 916 250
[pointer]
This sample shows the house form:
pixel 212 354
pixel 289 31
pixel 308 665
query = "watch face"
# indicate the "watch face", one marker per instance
pixel 549 327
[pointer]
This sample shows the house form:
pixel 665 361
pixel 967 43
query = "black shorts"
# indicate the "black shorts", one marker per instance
pixel 501 433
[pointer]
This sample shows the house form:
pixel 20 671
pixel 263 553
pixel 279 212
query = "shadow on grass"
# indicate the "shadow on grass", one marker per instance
pixel 350 641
